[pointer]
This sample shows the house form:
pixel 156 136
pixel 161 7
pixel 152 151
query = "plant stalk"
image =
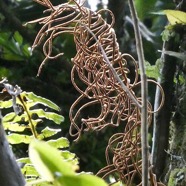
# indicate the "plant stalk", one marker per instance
pixel 144 93
pixel 129 93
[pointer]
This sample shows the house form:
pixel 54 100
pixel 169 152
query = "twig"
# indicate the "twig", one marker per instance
pixel 144 93
pixel 126 89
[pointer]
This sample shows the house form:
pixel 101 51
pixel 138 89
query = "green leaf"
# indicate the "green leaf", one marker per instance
pixel 48 115
pixel 18 38
pixel 59 143
pixel 24 160
pixel 51 166
pixel 13 118
pixel 144 7
pixel 14 127
pixel 19 138
pixel 167 34
pixel 40 100
pixel 175 16
pixel 152 71
pixel 119 184
pixel 11 56
pixel 26 50
pixel 29 170
pixel 67 155
pixel 82 180
pixel 9 117
pixel 48 161
pixel 48 132
pixel 39 182
pixel 5 104
pixel 11 48
pixel 70 157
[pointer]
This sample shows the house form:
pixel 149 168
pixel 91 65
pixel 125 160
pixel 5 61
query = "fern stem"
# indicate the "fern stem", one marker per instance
pixel 29 117
pixel 144 93
pixel 125 88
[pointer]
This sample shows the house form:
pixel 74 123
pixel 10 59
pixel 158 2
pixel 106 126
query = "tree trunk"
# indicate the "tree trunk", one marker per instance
pixel 10 174
pixel 169 155
pixel 176 174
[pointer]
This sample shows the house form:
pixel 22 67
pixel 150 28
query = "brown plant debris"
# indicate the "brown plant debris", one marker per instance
pixel 94 64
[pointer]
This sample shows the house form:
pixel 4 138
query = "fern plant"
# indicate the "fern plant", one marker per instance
pixel 25 123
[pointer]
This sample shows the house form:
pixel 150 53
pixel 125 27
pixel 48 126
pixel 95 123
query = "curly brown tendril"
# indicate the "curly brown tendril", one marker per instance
pixel 123 153
pixel 98 64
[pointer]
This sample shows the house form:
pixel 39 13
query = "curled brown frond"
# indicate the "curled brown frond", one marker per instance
pixel 102 68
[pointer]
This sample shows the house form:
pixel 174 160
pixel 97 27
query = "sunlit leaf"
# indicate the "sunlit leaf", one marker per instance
pixel 48 132
pixel 39 182
pixel 48 161
pixel 10 117
pixel 152 71
pixel 5 104
pixel 119 184
pixel 29 170
pixel 82 180
pixel 35 122
pixel 59 143
pixel 175 16
pixel 19 138
pixel 70 157
pixel 48 115
pixel 14 127
pixel 40 100
pixel 67 154
pixel 24 160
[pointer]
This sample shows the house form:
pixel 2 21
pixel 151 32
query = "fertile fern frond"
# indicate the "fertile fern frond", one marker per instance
pixel 96 64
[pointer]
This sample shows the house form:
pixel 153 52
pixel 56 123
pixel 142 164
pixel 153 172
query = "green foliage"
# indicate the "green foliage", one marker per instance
pixel 176 19
pixel 13 47
pixel 52 167
pixel 167 33
pixel 143 7
pixel 25 127
pixel 30 118
pixel 175 16
pixel 153 71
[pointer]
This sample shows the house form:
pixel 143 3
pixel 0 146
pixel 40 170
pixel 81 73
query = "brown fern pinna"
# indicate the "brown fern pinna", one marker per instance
pixel 97 63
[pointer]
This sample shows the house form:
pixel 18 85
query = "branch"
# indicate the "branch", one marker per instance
pixel 144 93
pixel 163 117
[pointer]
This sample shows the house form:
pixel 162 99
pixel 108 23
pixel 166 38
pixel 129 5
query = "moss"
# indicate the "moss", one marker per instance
pixel 177 177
